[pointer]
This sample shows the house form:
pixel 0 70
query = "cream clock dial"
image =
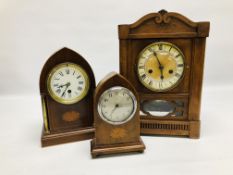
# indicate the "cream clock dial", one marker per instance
pixel 68 83
pixel 117 105
pixel 160 66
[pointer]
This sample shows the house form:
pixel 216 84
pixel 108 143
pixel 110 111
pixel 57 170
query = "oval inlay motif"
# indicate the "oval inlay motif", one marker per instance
pixel 118 133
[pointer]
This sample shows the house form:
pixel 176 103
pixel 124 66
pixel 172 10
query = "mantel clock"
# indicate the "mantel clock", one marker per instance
pixel 162 55
pixel 116 115
pixel 67 85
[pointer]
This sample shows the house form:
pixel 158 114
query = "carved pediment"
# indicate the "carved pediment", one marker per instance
pixel 162 25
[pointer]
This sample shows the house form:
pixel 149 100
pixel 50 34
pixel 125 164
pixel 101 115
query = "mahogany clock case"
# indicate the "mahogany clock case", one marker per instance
pixel 190 38
pixel 109 138
pixel 78 121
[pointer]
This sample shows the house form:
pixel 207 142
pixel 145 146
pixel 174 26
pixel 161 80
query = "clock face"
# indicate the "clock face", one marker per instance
pixel 160 66
pixel 117 105
pixel 68 83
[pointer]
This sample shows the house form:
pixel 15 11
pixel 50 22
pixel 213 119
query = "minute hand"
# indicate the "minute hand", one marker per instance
pixel 160 65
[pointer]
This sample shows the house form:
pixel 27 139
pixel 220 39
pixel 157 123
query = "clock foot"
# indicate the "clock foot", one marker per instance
pixel 97 151
pixel 48 139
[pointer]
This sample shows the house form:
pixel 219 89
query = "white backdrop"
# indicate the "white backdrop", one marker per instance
pixel 32 30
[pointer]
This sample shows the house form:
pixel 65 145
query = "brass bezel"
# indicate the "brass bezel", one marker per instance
pixel 174 85
pixel 77 99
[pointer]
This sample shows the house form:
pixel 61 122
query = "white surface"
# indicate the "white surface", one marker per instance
pixel 32 30
pixel 21 154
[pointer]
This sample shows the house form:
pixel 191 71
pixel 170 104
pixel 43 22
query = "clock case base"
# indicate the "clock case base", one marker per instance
pixel 189 129
pixel 48 139
pixel 116 149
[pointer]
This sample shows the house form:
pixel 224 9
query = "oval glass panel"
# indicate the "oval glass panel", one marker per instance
pixel 158 108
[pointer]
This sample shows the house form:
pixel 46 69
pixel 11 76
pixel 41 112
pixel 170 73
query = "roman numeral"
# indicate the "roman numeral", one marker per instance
pixel 160 85
pixel 150 49
pixel 56 78
pixel 177 55
pixel 143 76
pixel 160 47
pixel 78 76
pixel 170 49
pixel 177 75
pixel 80 88
pixel 61 73
pixel 67 71
pixel 141 67
pixel 110 94
pixel 58 91
pixel 73 72
pixel 142 57
pixel 180 65
pixel 150 82
pixel 55 85
pixel 80 82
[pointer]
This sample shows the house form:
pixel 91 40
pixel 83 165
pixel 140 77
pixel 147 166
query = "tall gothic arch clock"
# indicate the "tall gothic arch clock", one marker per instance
pixel 116 116
pixel 162 55
pixel 67 85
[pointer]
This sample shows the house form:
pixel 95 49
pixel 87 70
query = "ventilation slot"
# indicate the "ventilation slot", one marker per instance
pixel 164 126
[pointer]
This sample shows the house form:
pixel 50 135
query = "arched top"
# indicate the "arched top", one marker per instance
pixel 113 79
pixel 164 24
pixel 61 56
pixel 163 17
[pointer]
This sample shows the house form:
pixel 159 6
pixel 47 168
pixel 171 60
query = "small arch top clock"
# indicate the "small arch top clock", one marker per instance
pixel 116 115
pixel 67 85
pixel 162 55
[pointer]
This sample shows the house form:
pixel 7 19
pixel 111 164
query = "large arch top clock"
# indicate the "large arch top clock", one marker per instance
pixel 162 55
pixel 116 115
pixel 67 85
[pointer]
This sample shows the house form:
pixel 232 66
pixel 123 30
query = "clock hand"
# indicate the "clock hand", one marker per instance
pixel 160 65
pixel 67 85
pixel 116 106
pixel 62 85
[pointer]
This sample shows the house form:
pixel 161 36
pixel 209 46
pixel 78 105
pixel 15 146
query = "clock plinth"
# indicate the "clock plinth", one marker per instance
pixel 66 137
pixel 116 149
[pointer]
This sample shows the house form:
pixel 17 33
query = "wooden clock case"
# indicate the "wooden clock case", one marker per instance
pixel 58 129
pixel 190 37
pixel 111 139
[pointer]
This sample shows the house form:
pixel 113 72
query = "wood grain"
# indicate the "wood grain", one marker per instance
pixel 62 124
pixel 109 136
pixel 190 38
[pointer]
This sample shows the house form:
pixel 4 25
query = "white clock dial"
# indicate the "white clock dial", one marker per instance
pixel 117 105
pixel 68 83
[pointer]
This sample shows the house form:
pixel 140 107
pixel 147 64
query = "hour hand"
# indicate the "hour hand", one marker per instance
pixel 67 84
